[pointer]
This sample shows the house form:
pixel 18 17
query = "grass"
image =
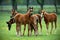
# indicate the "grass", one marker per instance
pixel 5 34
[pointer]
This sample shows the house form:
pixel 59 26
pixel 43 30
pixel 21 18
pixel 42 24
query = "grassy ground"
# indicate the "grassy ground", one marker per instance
pixel 5 34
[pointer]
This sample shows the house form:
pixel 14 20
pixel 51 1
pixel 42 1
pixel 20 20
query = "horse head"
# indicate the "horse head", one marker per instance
pixel 43 13
pixel 30 10
pixel 10 22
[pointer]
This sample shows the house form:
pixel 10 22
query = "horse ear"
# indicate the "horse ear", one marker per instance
pixel 12 11
pixel 31 7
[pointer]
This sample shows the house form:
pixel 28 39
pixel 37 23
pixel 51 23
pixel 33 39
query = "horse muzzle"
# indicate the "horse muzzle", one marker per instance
pixel 9 26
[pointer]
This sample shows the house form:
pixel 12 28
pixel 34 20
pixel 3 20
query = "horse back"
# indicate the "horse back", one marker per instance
pixel 39 17
pixel 52 17
pixel 21 18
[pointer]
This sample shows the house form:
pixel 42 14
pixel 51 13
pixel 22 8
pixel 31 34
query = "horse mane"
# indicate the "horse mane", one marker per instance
pixel 28 12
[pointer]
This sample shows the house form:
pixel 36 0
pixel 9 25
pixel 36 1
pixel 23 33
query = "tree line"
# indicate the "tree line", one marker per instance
pixel 27 3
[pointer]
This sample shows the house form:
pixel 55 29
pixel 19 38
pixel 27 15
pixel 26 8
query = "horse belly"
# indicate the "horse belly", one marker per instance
pixel 53 18
pixel 24 21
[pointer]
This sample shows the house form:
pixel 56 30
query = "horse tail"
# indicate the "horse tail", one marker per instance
pixel 31 27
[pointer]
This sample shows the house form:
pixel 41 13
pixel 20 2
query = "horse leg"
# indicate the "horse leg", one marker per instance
pixel 55 25
pixel 20 30
pixel 35 29
pixel 47 27
pixel 17 28
pixel 24 28
pixel 31 27
pixel 29 30
pixel 40 28
pixel 51 27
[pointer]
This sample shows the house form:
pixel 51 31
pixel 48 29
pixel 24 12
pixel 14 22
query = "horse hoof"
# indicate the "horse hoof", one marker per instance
pixel 40 33
pixel 36 35
pixel 17 35
pixel 21 35
pixel 50 32
pixel 29 35
pixel 47 34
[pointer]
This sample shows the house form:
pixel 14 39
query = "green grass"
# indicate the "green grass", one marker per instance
pixel 5 34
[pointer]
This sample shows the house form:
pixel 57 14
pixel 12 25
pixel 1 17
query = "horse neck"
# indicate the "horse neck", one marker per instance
pixel 28 12
pixel 15 14
pixel 45 14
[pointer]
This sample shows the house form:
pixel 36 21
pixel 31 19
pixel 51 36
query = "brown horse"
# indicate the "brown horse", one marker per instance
pixel 52 17
pixel 34 23
pixel 39 19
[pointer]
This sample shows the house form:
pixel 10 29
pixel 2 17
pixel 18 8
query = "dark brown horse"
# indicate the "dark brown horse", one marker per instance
pixel 52 17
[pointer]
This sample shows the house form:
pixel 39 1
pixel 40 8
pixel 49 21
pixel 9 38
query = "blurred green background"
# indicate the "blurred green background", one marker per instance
pixel 21 6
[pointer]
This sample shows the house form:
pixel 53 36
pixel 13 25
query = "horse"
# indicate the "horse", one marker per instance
pixel 39 21
pixel 34 24
pixel 49 18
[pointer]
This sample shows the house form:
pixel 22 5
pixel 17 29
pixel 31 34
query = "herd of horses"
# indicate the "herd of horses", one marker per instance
pixel 32 20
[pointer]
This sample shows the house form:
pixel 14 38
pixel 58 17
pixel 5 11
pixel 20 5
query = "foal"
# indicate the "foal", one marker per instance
pixel 52 17
pixel 34 24
pixel 39 21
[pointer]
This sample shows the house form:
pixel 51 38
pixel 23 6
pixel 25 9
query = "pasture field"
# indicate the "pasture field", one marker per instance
pixel 5 34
